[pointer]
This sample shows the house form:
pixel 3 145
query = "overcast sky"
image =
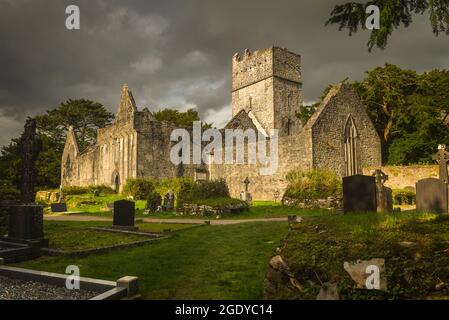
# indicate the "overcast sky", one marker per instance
pixel 178 54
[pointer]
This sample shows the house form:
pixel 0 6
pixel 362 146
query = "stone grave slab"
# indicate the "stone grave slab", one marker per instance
pixel 359 194
pixel 432 195
pixel 124 214
pixel 58 207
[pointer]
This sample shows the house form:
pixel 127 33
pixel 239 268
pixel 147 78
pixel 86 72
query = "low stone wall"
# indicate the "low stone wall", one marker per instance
pixel 329 203
pixel 402 177
pixel 192 209
pixel 47 196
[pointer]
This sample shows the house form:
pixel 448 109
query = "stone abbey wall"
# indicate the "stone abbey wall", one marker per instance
pixel 341 105
pixel 268 83
pixel 401 177
pixel 295 152
pixel 267 92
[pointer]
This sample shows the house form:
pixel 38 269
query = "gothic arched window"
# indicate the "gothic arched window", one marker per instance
pixel 351 148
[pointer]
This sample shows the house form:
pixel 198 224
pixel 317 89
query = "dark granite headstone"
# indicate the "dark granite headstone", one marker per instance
pixel 432 195
pixel 359 194
pixel 124 213
pixel 26 222
pixel 58 207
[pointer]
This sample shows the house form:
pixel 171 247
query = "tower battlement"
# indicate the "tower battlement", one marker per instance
pixel 251 67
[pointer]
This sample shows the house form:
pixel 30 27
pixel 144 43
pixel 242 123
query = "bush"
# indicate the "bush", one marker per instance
pixel 9 193
pixel 191 191
pixel 101 189
pixel 403 196
pixel 154 200
pixel 139 188
pixel 74 190
pixel 313 184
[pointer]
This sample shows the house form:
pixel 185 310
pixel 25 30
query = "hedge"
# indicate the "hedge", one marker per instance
pixel 403 196
pixel 313 184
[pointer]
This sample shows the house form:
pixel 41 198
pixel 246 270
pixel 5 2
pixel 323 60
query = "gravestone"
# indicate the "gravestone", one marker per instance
pixel 58 207
pixel 169 201
pixel 431 193
pixel 124 214
pixel 245 195
pixel 384 195
pixel 25 225
pixel 432 196
pixel 359 194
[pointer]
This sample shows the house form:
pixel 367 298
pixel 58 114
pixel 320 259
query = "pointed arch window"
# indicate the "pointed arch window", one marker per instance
pixel 350 146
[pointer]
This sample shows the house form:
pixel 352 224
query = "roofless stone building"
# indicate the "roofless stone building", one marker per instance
pixel 266 94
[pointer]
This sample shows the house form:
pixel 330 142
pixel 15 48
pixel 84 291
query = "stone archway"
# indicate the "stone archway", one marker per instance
pixel 350 146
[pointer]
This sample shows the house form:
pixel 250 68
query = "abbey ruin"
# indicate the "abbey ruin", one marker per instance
pixel 266 94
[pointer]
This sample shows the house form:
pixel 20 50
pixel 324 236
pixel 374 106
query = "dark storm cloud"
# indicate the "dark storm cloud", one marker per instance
pixel 177 53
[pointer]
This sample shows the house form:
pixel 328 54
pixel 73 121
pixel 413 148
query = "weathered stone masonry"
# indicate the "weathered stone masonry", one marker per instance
pixel 266 94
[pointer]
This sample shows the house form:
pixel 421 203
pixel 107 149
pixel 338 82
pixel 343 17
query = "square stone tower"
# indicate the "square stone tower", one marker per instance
pixel 268 83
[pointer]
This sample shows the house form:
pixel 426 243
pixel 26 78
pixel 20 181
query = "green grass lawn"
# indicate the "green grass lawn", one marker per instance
pixel 97 206
pixel 72 236
pixel 209 262
pixel 317 248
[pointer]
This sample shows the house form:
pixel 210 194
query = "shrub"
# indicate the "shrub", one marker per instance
pixel 139 188
pixel 403 196
pixel 313 184
pixel 74 190
pixel 191 191
pixel 101 189
pixel 154 200
pixel 9 193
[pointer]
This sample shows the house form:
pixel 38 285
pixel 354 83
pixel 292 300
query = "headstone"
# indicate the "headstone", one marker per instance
pixel 442 157
pixel 124 214
pixel 384 195
pixel 359 194
pixel 432 196
pixel 169 201
pixel 245 195
pixel 29 147
pixel 58 207
pixel 25 225
pixel 431 193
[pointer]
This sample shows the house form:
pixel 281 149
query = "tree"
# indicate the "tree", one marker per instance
pixel 182 119
pixel 410 111
pixel 84 116
pixel 393 14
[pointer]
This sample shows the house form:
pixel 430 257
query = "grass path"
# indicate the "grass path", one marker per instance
pixel 162 220
pixel 211 262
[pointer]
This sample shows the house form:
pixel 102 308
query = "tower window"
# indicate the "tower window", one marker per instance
pixel 289 100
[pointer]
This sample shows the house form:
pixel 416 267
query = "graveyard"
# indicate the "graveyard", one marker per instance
pixel 186 239
pixel 171 163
